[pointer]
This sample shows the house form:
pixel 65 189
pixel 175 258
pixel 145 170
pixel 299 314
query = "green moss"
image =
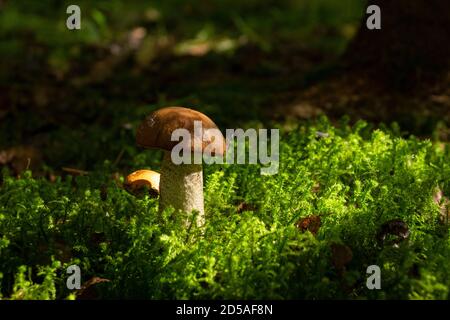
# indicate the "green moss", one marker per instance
pixel 355 180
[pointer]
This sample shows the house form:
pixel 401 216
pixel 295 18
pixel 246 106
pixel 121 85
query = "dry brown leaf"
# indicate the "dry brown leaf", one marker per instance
pixel 88 290
pixel 21 158
pixel 394 227
pixel 311 223
pixel 341 255
pixel 243 206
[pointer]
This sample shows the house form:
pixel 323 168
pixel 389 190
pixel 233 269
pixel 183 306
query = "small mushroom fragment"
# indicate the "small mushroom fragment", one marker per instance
pixel 141 179
pixel 181 185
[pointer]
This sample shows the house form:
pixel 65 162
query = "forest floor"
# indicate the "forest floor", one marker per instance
pixel 70 102
pixel 291 83
pixel 243 67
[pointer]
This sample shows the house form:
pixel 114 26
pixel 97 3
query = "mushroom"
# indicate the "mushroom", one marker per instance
pixel 181 185
pixel 140 179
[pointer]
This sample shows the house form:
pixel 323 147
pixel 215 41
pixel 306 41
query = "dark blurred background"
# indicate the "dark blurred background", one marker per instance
pixel 73 98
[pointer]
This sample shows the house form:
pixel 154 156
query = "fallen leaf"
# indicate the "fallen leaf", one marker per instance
pixel 341 255
pixel 243 206
pixel 311 223
pixel 89 290
pixel 395 227
pixel 21 158
pixel 315 188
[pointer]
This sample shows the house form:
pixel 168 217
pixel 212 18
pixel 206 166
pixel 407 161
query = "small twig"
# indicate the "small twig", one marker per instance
pixel 119 157
pixel 28 163
pixel 75 171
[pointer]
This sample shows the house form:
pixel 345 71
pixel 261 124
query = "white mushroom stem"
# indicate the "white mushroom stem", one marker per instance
pixel 181 187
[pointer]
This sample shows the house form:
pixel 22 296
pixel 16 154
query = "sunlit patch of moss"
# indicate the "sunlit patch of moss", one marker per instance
pixel 354 179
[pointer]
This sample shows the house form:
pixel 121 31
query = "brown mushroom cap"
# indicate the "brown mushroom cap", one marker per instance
pixel 156 130
pixel 141 178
